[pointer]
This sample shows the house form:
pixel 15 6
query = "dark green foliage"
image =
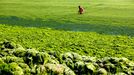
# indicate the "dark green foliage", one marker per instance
pixel 25 67
pixel 20 61
pixel 101 71
pixel 79 67
pixel 58 69
pixel 35 57
pixel 90 68
pixel 1 61
pixel 10 59
pixel 10 69
pixel 73 56
pixel 19 52
pixel 8 45
pixel 4 68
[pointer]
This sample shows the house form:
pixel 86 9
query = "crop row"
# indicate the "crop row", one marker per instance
pixel 15 60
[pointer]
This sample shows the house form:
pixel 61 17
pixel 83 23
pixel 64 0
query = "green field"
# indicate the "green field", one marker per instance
pixel 106 29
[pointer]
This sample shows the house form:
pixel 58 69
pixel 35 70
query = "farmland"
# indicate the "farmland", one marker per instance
pixel 106 29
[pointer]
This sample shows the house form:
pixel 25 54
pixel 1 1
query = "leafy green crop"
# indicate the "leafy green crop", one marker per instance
pixel 43 63
pixel 84 43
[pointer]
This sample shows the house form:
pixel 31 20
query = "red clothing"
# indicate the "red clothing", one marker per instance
pixel 80 10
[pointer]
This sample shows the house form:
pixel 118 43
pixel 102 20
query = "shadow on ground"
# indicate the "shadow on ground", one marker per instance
pixel 67 25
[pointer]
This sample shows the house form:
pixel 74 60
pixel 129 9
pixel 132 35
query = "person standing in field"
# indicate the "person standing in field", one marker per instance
pixel 81 10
